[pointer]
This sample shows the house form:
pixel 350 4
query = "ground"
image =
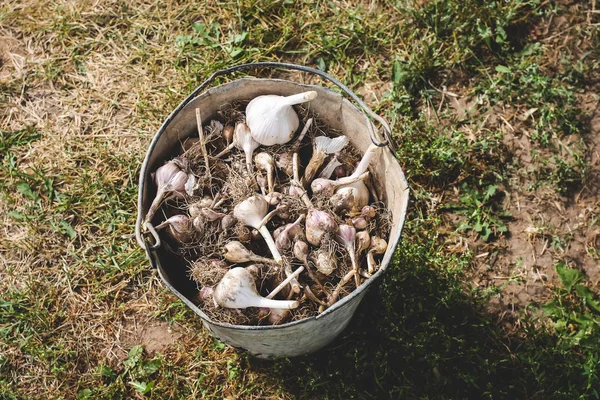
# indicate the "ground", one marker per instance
pixel 493 292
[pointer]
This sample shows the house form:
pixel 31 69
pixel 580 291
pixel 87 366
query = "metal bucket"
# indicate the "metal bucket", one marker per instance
pixel 310 334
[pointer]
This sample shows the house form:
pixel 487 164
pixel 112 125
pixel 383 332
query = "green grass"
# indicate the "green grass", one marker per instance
pixel 80 103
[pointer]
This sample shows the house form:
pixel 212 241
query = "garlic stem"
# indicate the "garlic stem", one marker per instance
pixel 298 185
pixel 329 169
pixel 309 293
pixel 298 98
pixel 268 217
pixel 336 293
pixel 301 253
pixel 294 284
pixel 363 165
pixel 303 133
pixel 202 142
pixel 269 240
pixel 225 150
pixel 286 281
pixel 236 252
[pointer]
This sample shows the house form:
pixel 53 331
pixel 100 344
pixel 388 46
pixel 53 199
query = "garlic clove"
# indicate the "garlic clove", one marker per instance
pixel 237 289
pixel 227 133
pixel 272 119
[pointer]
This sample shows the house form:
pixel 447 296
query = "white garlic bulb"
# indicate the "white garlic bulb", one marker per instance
pixel 272 119
pixel 237 289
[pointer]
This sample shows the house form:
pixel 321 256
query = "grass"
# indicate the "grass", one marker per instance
pixel 492 106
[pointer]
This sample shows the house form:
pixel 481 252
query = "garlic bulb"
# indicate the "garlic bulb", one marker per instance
pixel 289 234
pixel 179 227
pixel 318 223
pixel 323 262
pixel 237 289
pixel 171 180
pixel 236 252
pixel 322 146
pixel 347 235
pixel 327 187
pixel 251 213
pixel 378 247
pixel 265 162
pixel 350 197
pixel 272 119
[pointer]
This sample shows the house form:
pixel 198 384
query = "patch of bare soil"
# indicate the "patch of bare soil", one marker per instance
pixel 154 336
pixel 545 229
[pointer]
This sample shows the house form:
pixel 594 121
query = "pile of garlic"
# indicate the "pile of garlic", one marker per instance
pixel 272 224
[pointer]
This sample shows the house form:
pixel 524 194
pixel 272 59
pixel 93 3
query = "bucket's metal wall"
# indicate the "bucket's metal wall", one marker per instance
pixel 308 335
pixel 289 341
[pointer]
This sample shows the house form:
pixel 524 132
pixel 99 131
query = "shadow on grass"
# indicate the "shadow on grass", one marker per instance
pixel 418 335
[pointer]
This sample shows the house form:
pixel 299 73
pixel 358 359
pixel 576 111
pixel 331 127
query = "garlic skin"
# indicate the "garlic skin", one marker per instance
pixel 323 145
pixel 237 289
pixel 272 119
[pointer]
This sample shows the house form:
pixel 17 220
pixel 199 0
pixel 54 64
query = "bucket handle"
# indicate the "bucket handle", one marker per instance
pixel 387 131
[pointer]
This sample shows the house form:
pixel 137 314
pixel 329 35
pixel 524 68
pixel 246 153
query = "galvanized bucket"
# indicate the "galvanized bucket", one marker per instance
pixel 310 334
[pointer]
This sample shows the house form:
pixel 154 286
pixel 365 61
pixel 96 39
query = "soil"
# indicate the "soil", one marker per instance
pixel 154 336
pixel 545 228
